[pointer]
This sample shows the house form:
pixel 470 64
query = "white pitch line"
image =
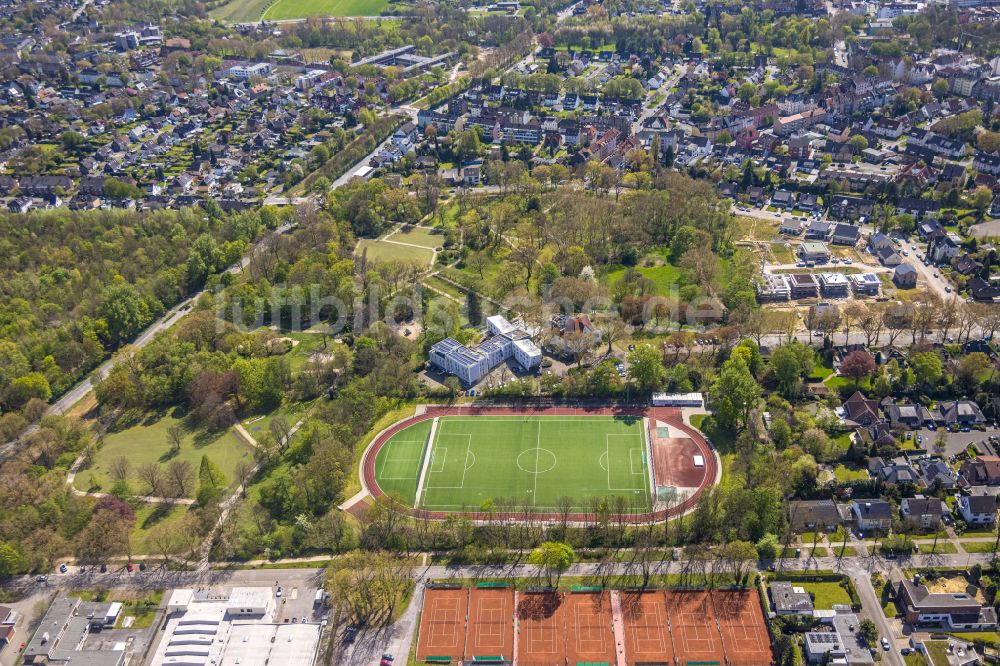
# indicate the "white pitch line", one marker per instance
pixel 538 451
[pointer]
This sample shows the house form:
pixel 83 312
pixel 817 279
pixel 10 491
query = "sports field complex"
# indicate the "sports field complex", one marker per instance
pixel 498 625
pixel 453 459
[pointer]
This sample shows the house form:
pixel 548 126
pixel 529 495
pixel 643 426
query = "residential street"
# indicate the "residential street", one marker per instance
pixel 368 646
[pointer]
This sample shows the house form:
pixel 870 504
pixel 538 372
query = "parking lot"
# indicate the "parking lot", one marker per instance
pixel 298 604
pixel 958 441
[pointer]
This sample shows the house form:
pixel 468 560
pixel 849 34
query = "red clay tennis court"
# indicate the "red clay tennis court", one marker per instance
pixel 695 632
pixel 741 620
pixel 647 636
pixel 589 637
pixel 442 625
pixel 491 624
pixel 541 626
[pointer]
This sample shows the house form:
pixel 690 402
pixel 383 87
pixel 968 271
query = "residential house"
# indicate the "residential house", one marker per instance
pixel 982 471
pixel 965 265
pixel 977 509
pixel 872 514
pixel 935 473
pixel 789 599
pixel 803 285
pixel 877 435
pixel 925 512
pixel 918 208
pixel 905 276
pixel 865 284
pixel 893 474
pixel 861 410
pixel 842 644
pixel 773 287
pixel 983 291
pixel 783 199
pixel 955 611
pixel 888 256
pixel 818 230
pixel 878 241
pixel 815 252
pixel 943 247
pixel 959 412
pixel 815 516
pixel 846 234
pixel 905 415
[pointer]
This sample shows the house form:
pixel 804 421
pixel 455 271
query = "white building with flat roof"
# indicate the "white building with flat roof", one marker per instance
pixel 470 365
pixel 206 627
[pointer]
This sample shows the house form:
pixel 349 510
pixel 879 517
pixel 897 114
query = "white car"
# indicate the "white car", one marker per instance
pixel 885 643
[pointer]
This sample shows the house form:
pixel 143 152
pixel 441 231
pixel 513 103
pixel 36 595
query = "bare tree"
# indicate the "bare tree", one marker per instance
pixel 244 471
pixel 181 478
pixel 175 434
pixel 280 430
pixel 120 468
pixel 870 321
pixel 152 476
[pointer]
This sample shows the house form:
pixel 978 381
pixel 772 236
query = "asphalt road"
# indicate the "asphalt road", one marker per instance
pixel 369 645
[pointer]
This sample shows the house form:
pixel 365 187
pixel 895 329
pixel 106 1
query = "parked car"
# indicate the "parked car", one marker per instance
pixel 63 568
pixel 41 579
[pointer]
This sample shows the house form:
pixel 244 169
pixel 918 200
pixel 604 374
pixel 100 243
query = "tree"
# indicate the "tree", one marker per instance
pixel 792 363
pixel 869 632
pixel 244 470
pixel 211 481
pixel 612 329
pixel 151 474
pixel 369 586
pixel 553 557
pixel 454 386
pixel 927 368
pixel 11 560
pixel 175 434
pixel 120 468
pixel 474 307
pixel 734 393
pixel 124 311
pixel 646 368
pixel 857 365
pixel 180 477
pixel 858 143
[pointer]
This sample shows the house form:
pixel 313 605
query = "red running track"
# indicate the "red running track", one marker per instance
pixel 670 415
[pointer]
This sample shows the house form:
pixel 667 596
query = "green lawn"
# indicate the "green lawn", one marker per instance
pixel 826 594
pixel 150 516
pixel 398 462
pixel 534 459
pixel 149 443
pixel 938 651
pixel 294 9
pixel 663 277
pixel 419 236
pixel 977 546
pixel 943 548
pixel 845 474
pixel 380 250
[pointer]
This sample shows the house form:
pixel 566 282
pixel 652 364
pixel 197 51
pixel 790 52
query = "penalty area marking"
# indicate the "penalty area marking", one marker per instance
pixel 465 458
pixel 395 461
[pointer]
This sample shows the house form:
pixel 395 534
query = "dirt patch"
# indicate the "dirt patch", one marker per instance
pixel 954 585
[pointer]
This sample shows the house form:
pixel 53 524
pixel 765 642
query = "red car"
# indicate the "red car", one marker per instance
pixel 129 567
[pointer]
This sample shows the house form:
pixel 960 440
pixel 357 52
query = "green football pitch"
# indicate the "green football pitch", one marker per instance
pixel 535 460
